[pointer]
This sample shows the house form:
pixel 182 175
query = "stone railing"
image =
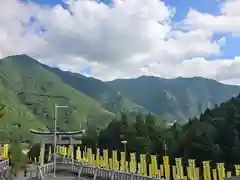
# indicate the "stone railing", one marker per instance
pixel 5 170
pixel 4 164
pixel 93 172
pixel 39 171
pixel 83 170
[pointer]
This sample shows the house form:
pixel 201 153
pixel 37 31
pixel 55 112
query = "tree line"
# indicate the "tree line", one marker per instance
pixel 214 135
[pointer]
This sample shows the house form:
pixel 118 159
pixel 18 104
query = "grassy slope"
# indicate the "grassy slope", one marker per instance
pixel 15 114
pixel 175 99
pixel 39 89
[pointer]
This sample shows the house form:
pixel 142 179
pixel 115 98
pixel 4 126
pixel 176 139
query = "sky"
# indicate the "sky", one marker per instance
pixel 127 38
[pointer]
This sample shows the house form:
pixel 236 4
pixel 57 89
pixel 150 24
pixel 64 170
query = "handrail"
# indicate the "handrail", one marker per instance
pixel 76 163
pixel 40 172
pixel 4 169
pixel 83 169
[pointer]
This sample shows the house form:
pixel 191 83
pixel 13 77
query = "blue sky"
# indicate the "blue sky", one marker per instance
pixel 229 50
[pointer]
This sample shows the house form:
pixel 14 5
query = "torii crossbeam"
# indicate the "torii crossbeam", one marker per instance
pixel 59 140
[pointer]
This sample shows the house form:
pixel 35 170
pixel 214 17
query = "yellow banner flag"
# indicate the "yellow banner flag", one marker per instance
pixel 139 170
pixel 144 165
pixel 105 157
pixel 197 173
pixel 40 158
pixel 166 167
pixel 206 170
pixel 114 160
pixel 89 156
pixel 98 157
pixel 110 163
pixel 192 173
pixel 64 151
pixel 159 173
pixel 143 168
pixel 127 167
pixel 174 173
pixel 221 171
pixel 69 153
pixel 214 173
pixel 49 153
pixel 5 150
pixel 229 173
pixel 161 170
pixel 179 168
pixel 237 170
pixel 189 173
pixel 150 170
pixel 94 160
pixel 123 162
pixel 61 151
pixel 133 163
pixel 154 165
pixel 101 161
pixel 78 154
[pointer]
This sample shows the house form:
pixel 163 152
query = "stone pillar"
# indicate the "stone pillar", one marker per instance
pixel 42 152
pixel 72 148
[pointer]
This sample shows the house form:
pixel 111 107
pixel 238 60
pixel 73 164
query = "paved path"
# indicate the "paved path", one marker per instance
pixel 59 177
pixel 64 176
pixel 20 175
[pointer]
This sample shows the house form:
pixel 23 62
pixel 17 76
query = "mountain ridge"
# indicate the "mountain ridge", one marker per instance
pixel 37 89
pixel 193 95
pixel 173 99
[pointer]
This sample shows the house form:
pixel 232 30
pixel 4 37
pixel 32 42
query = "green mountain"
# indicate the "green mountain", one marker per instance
pixel 176 99
pixel 110 98
pixel 29 91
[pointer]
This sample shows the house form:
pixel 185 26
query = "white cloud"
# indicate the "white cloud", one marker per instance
pixel 135 37
pixel 227 21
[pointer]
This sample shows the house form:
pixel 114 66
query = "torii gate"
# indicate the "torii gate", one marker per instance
pixel 59 140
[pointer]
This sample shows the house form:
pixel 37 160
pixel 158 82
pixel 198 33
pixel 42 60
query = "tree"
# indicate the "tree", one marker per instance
pixel 17 159
pixel 215 135
pixel 2 110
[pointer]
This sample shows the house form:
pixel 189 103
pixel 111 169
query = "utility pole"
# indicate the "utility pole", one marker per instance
pixel 56 107
pixel 97 131
pixel 165 147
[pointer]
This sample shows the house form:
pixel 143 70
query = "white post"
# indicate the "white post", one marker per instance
pixel 42 153
pixel 72 149
pixel 55 141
